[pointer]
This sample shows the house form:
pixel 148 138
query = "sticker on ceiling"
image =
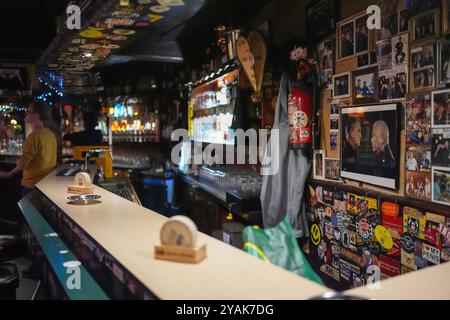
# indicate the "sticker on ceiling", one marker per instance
pixel 124 32
pixel 89 46
pixel 91 34
pixel 171 3
pixel 155 17
pixel 159 9
pixel 114 37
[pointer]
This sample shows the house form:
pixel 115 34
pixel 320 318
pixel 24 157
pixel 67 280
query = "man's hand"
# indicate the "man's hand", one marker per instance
pixel 5 175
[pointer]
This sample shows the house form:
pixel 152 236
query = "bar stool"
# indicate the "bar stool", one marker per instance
pixel 11 247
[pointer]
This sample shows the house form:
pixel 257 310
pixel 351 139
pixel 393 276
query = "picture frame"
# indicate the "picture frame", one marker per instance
pixel 440 148
pixel 393 84
pixel 365 86
pixel 445 17
pixel 400 50
pixel 421 25
pixel 341 85
pixel 319 165
pixel 332 169
pixel 440 115
pixel 422 79
pixel 326 53
pixel 418 185
pixel 321 18
pixel 440 185
pixel 370 144
pixel 352 37
pixel 443 62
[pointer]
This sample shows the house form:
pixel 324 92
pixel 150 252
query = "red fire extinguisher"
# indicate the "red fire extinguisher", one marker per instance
pixel 300 112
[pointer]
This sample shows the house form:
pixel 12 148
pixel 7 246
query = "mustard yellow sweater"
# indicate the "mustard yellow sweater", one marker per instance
pixel 38 157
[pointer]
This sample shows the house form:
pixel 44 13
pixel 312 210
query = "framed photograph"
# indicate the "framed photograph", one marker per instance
pixel 443 62
pixel 352 36
pixel 392 85
pixel 384 54
pixel 400 46
pixel 365 86
pixel 418 185
pixel 440 111
pixel 423 79
pixel 425 26
pixel 325 53
pixel 418 158
pixel 446 16
pixel 363 60
pixel 370 145
pixel 319 169
pixel 441 186
pixel 341 85
pixel 422 56
pixel 403 18
pixel 332 169
pixel 389 26
pixel 418 107
pixel 440 149
pixel 321 18
pixel 418 132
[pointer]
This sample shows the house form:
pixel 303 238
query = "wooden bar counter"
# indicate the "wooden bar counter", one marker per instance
pixel 129 232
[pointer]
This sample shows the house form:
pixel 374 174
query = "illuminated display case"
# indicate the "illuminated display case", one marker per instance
pixel 211 110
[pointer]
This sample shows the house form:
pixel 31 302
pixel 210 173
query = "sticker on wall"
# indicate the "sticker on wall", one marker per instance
pixel 414 222
pixel 394 224
pixel 337 234
pixel 389 209
pixel 330 271
pixel 389 267
pixel 395 250
pixel 367 257
pixel 328 197
pixel 159 9
pixel 352 256
pixel 358 281
pixel 340 201
pixel 364 229
pixel 431 253
pixel 407 259
pixel 321 249
pixel 328 230
pixel 383 237
pixel 352 203
pixel 346 274
pixel 407 242
pixel 315 234
pixel 329 212
pixel 349 266
pixel 432 233
pixel 171 3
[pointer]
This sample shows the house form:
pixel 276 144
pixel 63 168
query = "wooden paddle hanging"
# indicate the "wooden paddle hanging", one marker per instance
pixel 246 60
pixel 259 50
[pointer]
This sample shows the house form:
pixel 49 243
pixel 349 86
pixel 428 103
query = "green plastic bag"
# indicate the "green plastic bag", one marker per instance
pixel 279 246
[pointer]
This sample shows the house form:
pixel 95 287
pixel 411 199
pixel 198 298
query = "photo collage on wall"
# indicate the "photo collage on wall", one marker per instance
pixel 351 233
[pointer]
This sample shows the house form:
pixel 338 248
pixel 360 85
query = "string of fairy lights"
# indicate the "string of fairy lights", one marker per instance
pixel 52 91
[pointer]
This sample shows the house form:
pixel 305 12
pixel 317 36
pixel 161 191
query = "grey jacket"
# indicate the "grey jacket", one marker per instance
pixel 282 191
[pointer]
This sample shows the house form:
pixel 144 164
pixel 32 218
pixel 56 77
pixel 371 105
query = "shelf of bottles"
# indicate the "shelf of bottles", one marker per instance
pixel 212 106
pixel 131 121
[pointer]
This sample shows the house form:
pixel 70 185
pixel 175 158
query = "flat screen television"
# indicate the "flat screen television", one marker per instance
pixel 370 144
pixel 213 109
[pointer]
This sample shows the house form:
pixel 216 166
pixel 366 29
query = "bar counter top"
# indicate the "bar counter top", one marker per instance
pixel 431 283
pixel 129 233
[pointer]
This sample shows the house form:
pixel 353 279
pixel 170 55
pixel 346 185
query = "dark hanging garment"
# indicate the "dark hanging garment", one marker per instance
pixel 285 172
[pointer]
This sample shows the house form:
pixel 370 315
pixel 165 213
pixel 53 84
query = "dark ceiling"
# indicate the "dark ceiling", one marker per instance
pixel 27 27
